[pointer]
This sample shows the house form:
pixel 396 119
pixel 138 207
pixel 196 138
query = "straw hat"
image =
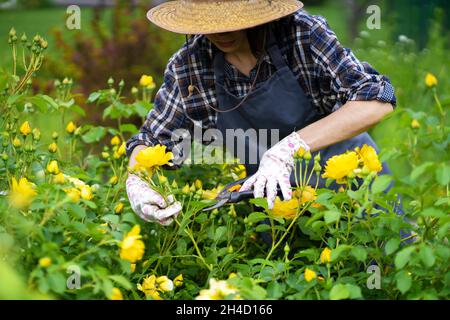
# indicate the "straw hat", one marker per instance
pixel 210 16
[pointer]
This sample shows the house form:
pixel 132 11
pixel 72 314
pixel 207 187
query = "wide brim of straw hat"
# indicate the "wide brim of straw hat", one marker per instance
pixel 209 16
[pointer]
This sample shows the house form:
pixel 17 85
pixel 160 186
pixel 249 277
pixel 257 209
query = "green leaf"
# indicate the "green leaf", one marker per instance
pixel 359 253
pixel 107 287
pixel 77 211
pixel 260 202
pixel 345 291
pixel 381 183
pixel 402 257
pixel 392 246
pixel 40 103
pixel 111 218
pixel 128 128
pixel 432 212
pixel 122 281
pixel 142 108
pixel 443 230
pixel 355 291
pixel 78 110
pixel 57 282
pixel 336 253
pixel 419 170
pixel 262 228
pixel 13 98
pixel 90 204
pixel 311 254
pixel 332 216
pixel 427 256
pixel 94 97
pixel 220 233
pixel 445 201
pixel 404 281
pixel 95 134
pixel 443 174
pixel 339 292
pixel 256 217
pixel 275 290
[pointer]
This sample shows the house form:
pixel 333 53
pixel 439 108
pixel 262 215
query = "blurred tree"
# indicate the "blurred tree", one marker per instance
pixel 413 17
pixel 124 49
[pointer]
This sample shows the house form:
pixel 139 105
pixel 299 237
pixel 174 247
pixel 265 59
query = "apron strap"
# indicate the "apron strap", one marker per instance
pixel 219 70
pixel 275 51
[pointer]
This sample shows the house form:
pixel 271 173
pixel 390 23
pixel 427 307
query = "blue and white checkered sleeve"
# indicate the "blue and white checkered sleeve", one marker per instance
pixel 166 116
pixel 350 78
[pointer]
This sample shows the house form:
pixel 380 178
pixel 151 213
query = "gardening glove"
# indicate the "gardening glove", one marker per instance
pixel 148 204
pixel 275 169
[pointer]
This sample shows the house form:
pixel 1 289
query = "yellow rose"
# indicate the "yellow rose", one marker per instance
pixel 71 127
pixel 153 157
pixel 118 208
pixel 147 82
pixel 430 80
pixel 164 284
pixel 178 281
pixel 52 167
pixel 285 209
pixel 340 166
pixel 120 151
pixel 218 290
pixel 45 262
pixel 115 141
pixel 415 124
pixel 53 147
pixel 131 247
pixel 308 194
pixel 369 158
pixel 25 128
pixel 116 294
pixel 73 194
pixel 149 287
pixel 310 275
pixel 22 193
pixel 325 255
pixel 16 142
pixel 59 178
pixel 113 180
pixel 86 192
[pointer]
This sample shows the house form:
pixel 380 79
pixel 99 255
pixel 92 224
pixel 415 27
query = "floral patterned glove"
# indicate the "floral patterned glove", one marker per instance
pixel 275 169
pixel 150 205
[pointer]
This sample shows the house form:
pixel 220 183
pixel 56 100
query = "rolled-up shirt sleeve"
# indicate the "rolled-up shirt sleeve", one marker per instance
pixel 350 79
pixel 166 116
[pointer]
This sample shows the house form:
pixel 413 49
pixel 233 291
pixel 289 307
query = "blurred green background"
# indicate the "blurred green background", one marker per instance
pixel 116 40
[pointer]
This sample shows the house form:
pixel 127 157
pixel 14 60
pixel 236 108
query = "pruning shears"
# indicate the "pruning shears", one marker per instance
pixel 230 194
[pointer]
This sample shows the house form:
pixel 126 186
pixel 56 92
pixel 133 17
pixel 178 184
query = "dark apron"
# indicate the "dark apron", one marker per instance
pixel 278 103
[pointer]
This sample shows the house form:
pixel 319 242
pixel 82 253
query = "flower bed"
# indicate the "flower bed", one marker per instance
pixel 67 230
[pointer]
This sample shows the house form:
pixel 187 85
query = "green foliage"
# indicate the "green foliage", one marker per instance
pixel 80 218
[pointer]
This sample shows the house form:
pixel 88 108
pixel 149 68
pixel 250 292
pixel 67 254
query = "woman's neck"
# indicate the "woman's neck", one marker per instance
pixel 242 58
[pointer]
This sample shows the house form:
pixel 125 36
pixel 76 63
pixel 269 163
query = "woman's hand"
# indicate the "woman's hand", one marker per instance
pixel 275 169
pixel 150 205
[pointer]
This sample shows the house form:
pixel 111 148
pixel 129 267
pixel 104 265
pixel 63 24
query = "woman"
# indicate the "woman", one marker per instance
pixel 258 65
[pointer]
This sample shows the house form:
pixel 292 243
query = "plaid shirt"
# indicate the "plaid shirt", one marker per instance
pixel 329 74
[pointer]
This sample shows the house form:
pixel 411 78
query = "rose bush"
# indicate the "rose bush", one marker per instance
pixel 67 230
